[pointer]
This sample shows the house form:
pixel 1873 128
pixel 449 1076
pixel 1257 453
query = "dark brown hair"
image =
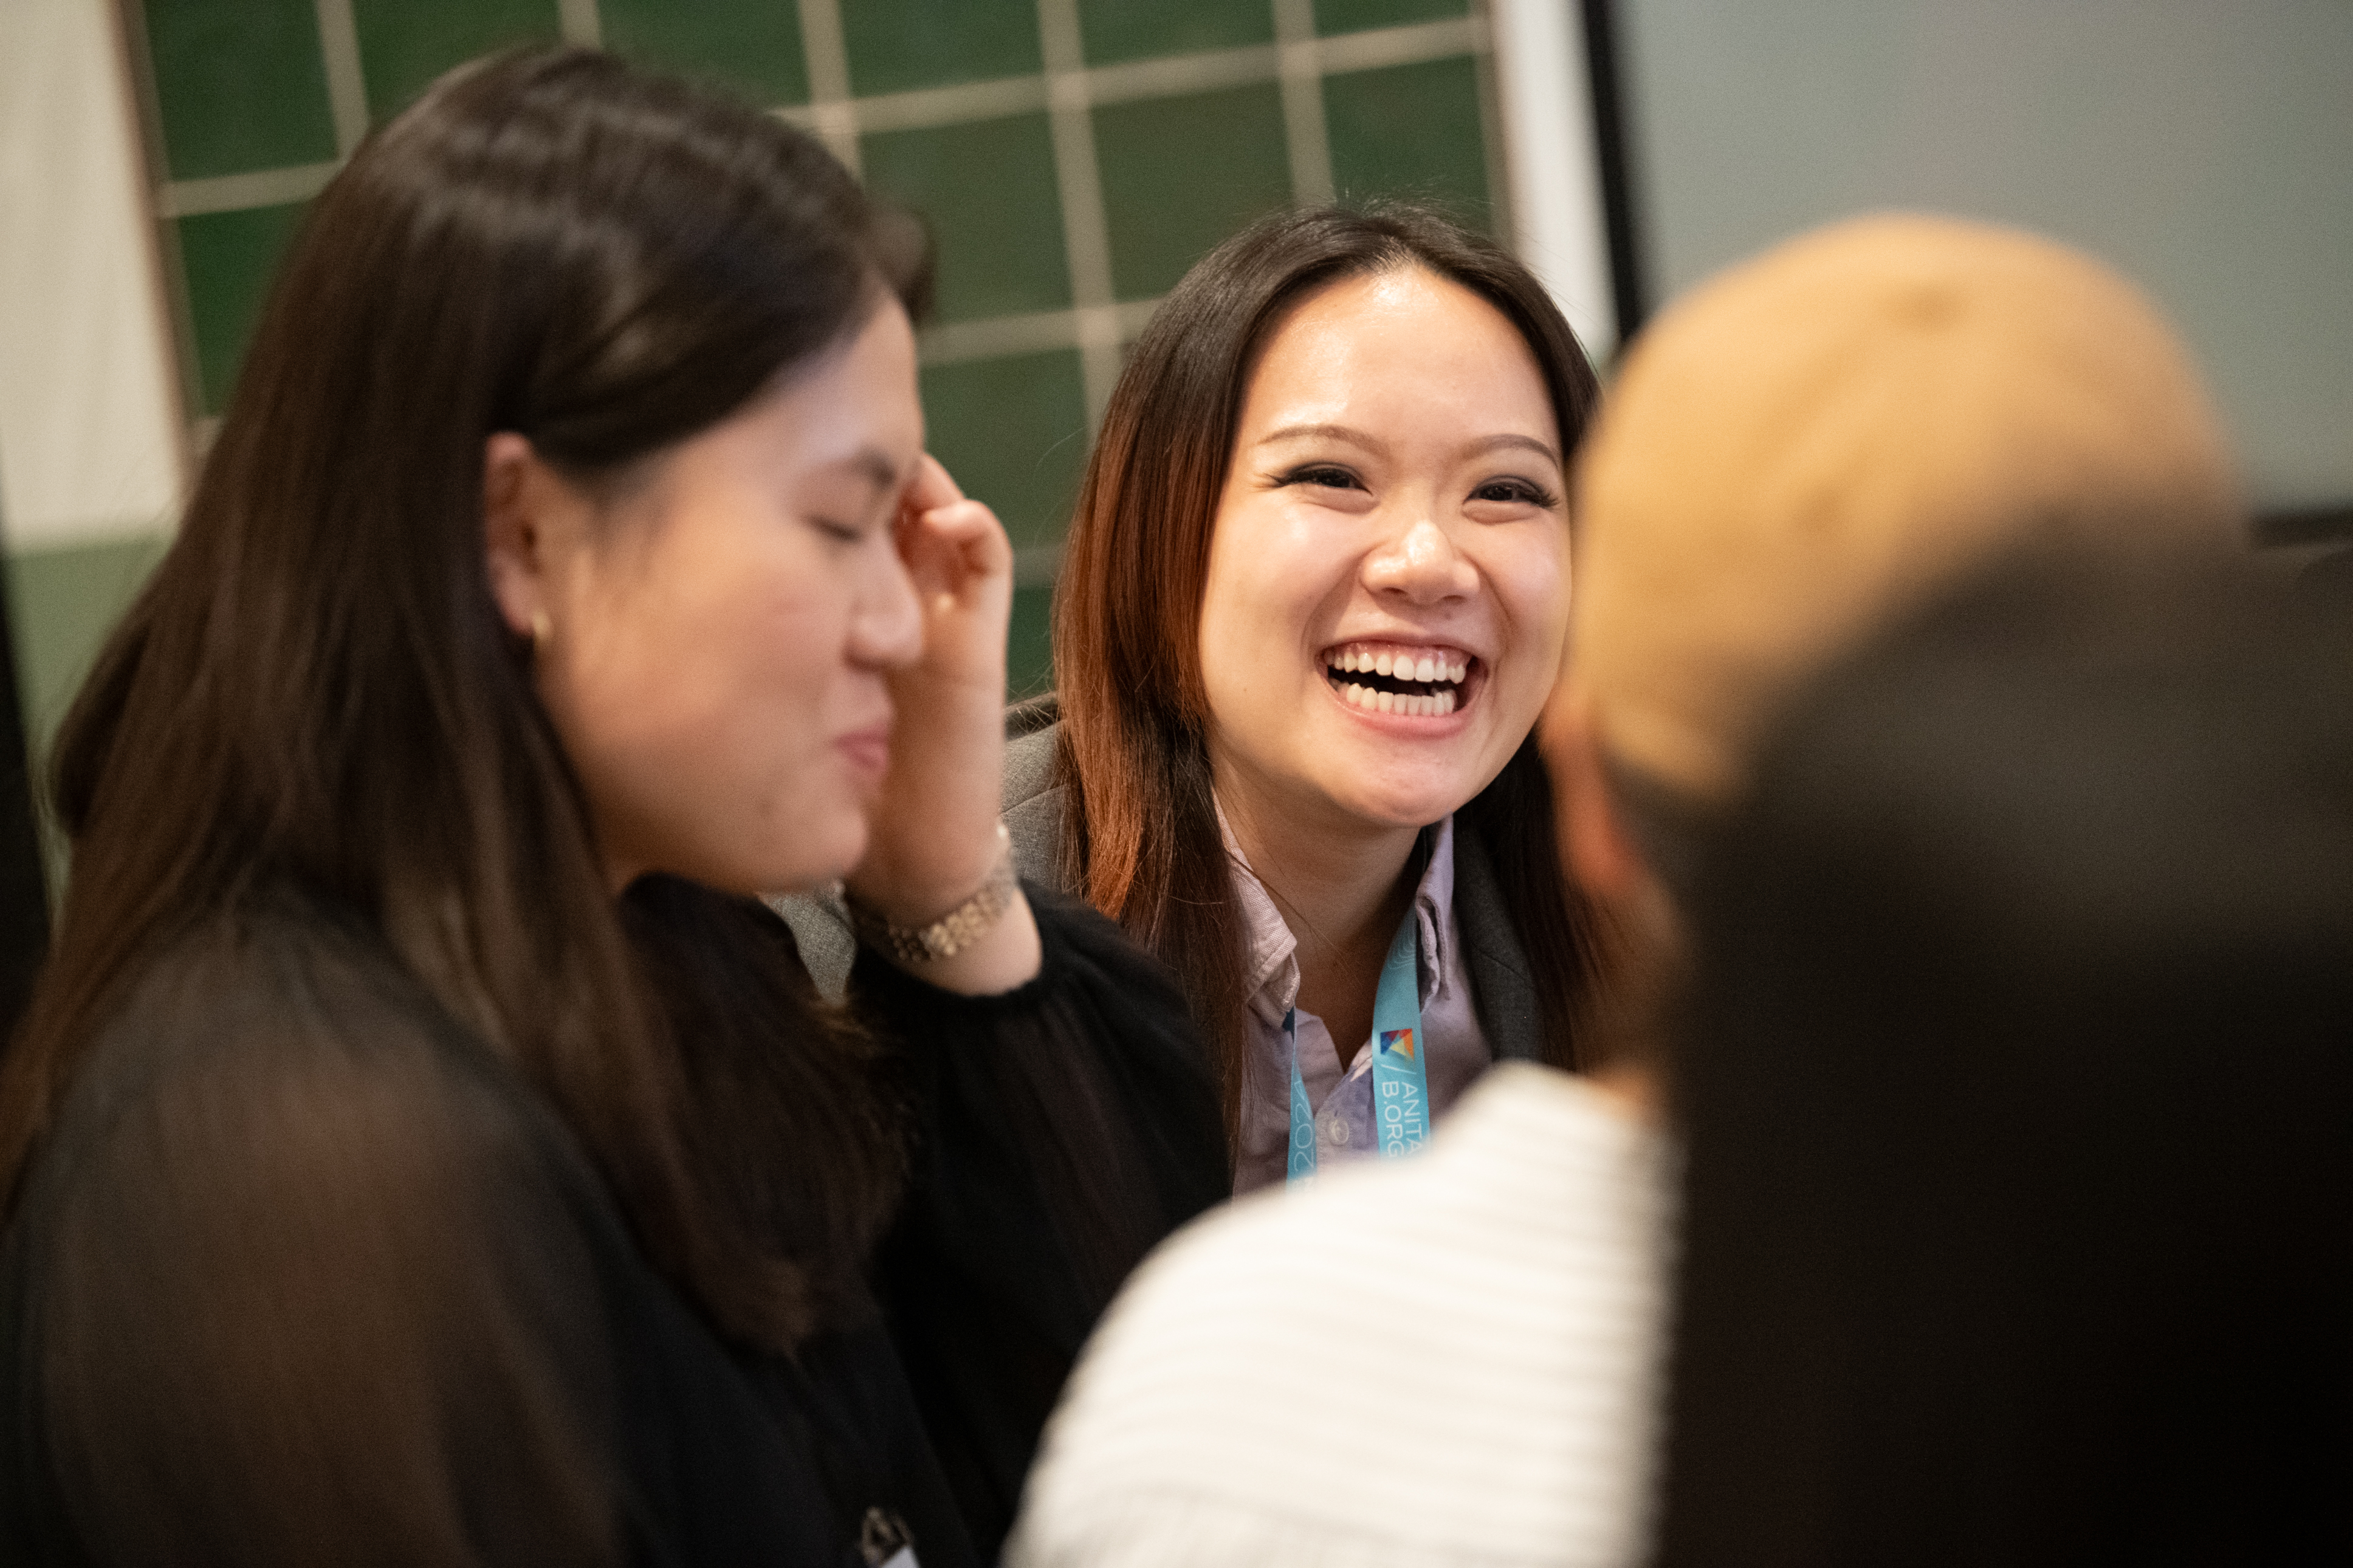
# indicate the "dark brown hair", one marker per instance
pixel 316 690
pixel 1141 835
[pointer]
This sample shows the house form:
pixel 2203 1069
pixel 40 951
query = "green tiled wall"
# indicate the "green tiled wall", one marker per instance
pixel 987 190
pixel 238 85
pixel 1180 104
pixel 228 259
pixel 404 44
pixel 898 45
pixel 754 51
pixel 63 600
pixel 1181 174
pixel 1013 431
pixel 1410 130
pixel 1116 30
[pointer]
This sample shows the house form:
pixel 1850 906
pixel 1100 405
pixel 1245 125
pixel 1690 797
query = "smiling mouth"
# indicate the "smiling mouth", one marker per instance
pixel 1390 678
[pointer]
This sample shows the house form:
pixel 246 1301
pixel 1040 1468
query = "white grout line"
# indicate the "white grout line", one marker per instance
pixel 930 106
pixel 832 113
pixel 1303 134
pixel 1086 233
pixel 339 43
pixel 234 192
pixel 578 22
pixel 1040 331
pixel 1171 75
pixel 1409 46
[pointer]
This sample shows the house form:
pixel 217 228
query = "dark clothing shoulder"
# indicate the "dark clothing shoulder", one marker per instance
pixel 305 1271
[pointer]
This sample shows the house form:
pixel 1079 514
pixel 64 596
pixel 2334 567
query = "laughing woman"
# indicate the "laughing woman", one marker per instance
pixel 423 1147
pixel 1313 599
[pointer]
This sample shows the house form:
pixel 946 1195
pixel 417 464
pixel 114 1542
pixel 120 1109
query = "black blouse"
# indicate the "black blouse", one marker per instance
pixel 305 1273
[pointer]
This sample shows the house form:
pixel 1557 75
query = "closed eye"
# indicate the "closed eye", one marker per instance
pixel 839 532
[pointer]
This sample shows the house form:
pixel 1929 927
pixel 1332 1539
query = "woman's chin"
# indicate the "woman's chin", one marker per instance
pixel 1378 786
pixel 814 862
pixel 1404 805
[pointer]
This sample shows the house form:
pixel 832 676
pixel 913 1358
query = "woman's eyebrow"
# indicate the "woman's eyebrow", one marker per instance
pixel 1502 443
pixel 872 465
pixel 1379 448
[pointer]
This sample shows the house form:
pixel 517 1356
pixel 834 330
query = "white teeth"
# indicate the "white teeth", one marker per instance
pixel 1356 660
pixel 1437 705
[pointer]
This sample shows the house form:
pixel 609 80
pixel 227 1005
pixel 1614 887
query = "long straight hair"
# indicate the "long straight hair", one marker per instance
pixel 1141 837
pixel 316 690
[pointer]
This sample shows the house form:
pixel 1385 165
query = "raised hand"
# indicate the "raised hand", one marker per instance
pixel 933 838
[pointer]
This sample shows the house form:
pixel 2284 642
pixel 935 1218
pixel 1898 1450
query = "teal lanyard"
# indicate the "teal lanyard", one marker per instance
pixel 1400 1076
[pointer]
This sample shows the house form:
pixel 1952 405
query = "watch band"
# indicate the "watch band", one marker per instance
pixel 953 932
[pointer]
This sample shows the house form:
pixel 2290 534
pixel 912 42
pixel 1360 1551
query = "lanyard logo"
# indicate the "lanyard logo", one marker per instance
pixel 1400 1081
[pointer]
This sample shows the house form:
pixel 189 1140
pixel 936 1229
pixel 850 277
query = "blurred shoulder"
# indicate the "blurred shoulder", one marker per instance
pixel 285 1035
pixel 1495 1296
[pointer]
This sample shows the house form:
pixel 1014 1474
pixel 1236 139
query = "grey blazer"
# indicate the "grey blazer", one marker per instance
pixel 1501 990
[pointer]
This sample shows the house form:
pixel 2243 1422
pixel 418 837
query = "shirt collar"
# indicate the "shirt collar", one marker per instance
pixel 1273 962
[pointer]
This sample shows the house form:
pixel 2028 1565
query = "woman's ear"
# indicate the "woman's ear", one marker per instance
pixel 525 525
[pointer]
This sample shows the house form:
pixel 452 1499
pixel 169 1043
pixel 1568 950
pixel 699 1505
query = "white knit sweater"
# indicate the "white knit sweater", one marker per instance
pixel 1447 1360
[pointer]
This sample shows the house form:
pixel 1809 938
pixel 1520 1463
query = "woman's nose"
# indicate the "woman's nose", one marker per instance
pixel 886 624
pixel 1420 564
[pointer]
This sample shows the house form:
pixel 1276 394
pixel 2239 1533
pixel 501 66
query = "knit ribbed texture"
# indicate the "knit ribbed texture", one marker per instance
pixel 1446 1360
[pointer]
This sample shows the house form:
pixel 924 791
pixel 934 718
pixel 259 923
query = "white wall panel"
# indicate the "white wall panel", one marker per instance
pixel 91 444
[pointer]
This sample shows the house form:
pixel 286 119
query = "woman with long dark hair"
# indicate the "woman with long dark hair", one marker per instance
pixel 423 1145
pixel 1313 599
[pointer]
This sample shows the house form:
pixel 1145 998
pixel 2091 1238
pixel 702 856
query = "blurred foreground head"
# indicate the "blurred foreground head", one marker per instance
pixel 2018 1080
pixel 1813 441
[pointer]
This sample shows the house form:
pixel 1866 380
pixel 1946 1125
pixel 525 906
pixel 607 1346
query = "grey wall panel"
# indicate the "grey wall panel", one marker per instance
pixel 2203 146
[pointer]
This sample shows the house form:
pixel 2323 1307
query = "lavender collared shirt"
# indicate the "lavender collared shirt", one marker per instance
pixel 1456 1053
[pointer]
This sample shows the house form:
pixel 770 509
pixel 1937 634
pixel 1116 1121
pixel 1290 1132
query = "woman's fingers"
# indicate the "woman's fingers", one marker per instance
pixel 934 828
pixel 930 486
pixel 948 543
